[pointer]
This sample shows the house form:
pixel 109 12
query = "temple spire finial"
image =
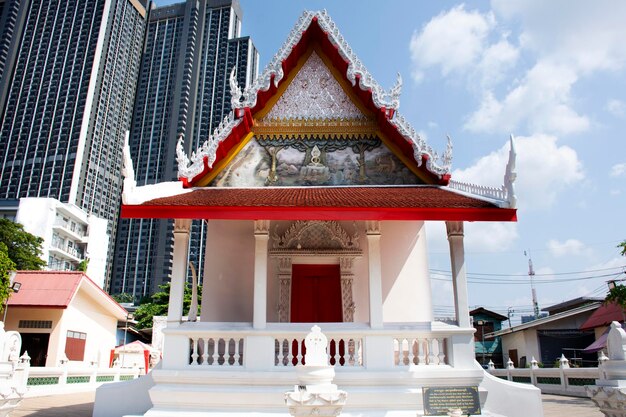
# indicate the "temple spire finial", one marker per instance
pixel 511 174
pixel 128 172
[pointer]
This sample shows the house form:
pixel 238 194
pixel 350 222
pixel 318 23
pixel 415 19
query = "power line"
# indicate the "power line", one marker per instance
pixel 484 280
pixel 537 275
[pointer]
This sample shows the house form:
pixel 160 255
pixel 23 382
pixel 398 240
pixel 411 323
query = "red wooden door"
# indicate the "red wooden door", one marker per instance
pixel 316 294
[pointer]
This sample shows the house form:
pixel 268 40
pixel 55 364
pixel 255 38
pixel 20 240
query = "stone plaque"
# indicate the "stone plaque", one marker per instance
pixel 439 401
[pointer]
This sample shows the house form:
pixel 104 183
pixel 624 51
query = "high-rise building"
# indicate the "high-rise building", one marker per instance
pixel 183 88
pixel 69 101
pixel 11 23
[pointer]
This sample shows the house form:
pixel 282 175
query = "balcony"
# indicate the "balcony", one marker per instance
pixel 68 230
pixel 65 252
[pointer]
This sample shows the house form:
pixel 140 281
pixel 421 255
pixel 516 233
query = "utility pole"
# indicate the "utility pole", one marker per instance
pixel 531 274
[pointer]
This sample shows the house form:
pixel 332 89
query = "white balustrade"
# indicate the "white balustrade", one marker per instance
pixel 419 350
pixel 222 345
pixel 342 352
pixel 561 381
pixel 489 192
pixel 216 351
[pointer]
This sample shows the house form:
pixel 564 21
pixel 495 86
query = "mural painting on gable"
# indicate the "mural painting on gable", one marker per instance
pixel 302 162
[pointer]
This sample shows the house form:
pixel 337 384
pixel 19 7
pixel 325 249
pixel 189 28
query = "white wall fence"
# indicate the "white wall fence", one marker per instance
pixel 563 380
pixel 65 379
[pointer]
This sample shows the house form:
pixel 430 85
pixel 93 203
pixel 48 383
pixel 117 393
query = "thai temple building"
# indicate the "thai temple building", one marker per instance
pixel 316 192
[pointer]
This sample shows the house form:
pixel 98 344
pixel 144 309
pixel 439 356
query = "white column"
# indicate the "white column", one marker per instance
pixel 179 270
pixel 261 237
pixel 375 274
pixel 459 277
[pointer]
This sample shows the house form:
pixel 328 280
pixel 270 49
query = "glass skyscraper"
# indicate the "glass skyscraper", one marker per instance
pixel 183 88
pixel 68 99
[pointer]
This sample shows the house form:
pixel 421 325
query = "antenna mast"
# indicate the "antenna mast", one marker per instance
pixel 531 274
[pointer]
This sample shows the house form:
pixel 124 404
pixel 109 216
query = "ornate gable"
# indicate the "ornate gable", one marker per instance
pixel 315 88
pixel 314 93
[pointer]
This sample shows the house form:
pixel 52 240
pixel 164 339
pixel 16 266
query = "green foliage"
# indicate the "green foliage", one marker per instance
pixel 82 266
pixel 24 249
pixel 159 303
pixel 123 297
pixel 622 246
pixel 6 266
pixel 617 295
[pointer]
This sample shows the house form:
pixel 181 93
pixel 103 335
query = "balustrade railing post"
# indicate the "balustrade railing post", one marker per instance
pixel 378 352
pixel 259 352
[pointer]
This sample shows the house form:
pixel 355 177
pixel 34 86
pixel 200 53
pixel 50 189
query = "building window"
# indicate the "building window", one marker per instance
pixel 75 345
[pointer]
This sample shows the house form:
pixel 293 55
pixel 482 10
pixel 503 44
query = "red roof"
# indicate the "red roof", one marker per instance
pixel 603 316
pixel 315 35
pixel 51 289
pixel 323 203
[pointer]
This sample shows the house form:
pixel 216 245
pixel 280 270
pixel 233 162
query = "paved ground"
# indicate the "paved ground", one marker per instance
pixel 81 405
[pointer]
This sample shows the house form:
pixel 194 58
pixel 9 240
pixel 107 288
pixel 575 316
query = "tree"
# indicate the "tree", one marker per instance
pixel 123 297
pixel 82 266
pixel 617 294
pixel 23 248
pixel 6 266
pixel 158 306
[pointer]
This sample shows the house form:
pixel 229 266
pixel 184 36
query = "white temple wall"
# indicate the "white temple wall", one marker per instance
pixel 406 282
pixel 227 292
pixel 229 272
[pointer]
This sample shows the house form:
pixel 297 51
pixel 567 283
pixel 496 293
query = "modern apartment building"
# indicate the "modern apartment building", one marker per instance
pixel 68 101
pixel 70 236
pixel 183 88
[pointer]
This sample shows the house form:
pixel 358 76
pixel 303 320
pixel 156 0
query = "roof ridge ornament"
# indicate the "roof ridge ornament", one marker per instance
pixel 356 69
pixel 194 165
pixel 128 172
pixel 511 174
pixel 235 90
pixel 504 196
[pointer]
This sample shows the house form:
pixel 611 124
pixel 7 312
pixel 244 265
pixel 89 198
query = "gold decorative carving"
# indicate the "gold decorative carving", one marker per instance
pixel 182 225
pixel 315 128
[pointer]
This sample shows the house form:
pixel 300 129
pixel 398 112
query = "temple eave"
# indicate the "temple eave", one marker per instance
pixel 317 213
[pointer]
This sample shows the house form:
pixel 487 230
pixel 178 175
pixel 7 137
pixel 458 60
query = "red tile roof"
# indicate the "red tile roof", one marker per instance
pixel 342 203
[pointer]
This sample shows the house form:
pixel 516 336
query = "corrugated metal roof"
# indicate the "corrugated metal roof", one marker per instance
pixel 603 316
pixel 56 289
pixel 52 289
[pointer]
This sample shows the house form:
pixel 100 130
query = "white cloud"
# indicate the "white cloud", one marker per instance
pixel 616 107
pixel 479 236
pixel 541 101
pixel 569 247
pixel 490 236
pixel 618 170
pixel 587 36
pixel 497 59
pixel 544 170
pixel 569 40
pixel 563 42
pixel 453 41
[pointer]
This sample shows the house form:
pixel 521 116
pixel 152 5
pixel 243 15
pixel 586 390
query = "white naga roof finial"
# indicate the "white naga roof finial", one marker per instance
pixel 510 175
pixel 128 172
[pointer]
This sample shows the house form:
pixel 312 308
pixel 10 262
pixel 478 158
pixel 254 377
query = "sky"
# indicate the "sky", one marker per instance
pixel 553 74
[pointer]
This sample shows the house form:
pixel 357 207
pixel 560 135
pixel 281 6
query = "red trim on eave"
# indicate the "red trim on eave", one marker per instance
pixel 317 213
pixel 236 135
